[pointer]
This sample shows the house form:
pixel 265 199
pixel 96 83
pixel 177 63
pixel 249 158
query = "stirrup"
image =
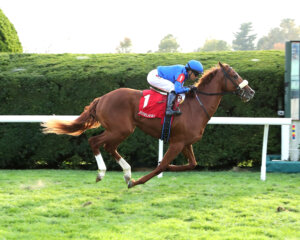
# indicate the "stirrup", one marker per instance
pixel 172 112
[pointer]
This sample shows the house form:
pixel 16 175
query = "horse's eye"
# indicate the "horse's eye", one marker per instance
pixel 235 76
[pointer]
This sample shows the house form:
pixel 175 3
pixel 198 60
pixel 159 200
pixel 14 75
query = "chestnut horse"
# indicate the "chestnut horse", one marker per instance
pixel 117 113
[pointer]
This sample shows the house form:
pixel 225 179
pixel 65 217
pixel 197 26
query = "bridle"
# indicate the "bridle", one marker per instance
pixel 239 89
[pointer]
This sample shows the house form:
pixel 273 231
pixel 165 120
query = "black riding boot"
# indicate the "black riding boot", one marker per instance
pixel 171 99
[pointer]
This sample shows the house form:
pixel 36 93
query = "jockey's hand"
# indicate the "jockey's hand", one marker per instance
pixel 192 88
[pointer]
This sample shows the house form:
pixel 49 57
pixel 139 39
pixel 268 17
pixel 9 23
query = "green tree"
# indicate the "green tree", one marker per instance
pixel 275 35
pixel 289 29
pixel 125 46
pixel 243 39
pixel 9 40
pixel 168 44
pixel 214 45
pixel 279 35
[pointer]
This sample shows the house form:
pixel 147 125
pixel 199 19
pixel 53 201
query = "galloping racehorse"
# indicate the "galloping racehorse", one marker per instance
pixel 117 112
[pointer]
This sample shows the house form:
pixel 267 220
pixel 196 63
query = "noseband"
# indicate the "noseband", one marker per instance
pixel 239 89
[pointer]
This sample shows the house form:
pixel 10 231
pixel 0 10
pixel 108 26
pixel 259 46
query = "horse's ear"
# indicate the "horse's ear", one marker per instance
pixel 221 65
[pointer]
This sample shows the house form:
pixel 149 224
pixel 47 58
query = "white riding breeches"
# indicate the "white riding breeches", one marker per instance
pixel 163 84
pixel 156 81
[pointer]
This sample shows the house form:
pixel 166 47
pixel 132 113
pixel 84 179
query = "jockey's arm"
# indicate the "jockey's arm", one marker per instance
pixel 179 88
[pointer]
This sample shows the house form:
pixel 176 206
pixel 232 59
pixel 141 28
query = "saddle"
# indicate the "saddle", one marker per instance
pixel 153 104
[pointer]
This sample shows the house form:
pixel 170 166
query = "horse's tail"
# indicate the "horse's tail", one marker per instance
pixel 86 120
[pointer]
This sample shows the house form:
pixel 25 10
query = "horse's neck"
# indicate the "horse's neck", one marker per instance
pixel 211 103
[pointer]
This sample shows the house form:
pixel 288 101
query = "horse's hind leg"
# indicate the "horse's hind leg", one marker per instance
pixel 111 146
pixel 110 142
pixel 120 160
pixel 95 142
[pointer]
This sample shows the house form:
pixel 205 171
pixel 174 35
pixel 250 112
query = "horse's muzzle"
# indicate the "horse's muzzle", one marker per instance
pixel 246 94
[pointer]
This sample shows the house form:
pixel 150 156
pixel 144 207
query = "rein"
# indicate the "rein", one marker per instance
pixel 202 105
pixel 214 94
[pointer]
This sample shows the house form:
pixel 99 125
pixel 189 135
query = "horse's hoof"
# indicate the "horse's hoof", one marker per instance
pixel 130 183
pixel 100 175
pixel 98 178
pixel 127 178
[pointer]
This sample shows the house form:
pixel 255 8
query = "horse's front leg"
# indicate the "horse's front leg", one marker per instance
pixel 189 155
pixel 173 151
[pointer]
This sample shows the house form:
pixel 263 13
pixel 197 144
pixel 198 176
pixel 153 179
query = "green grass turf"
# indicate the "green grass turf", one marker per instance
pixel 58 204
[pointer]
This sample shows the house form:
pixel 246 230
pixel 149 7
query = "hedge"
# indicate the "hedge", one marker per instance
pixel 63 84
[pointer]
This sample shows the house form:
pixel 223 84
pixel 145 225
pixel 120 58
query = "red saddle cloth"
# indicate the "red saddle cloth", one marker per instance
pixel 153 105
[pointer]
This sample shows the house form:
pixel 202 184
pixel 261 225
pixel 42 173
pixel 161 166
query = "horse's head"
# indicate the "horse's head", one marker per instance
pixel 234 83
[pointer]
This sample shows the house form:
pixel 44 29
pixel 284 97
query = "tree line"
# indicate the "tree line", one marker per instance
pixel 244 40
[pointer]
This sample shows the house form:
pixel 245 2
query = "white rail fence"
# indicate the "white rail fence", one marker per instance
pixel 266 122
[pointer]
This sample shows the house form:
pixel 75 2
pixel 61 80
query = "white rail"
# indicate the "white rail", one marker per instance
pixel 284 122
pixel 34 118
pixel 250 121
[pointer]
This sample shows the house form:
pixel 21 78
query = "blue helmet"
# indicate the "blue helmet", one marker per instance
pixel 194 65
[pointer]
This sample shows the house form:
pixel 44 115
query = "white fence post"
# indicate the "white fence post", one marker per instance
pixel 264 154
pixel 160 154
pixel 285 142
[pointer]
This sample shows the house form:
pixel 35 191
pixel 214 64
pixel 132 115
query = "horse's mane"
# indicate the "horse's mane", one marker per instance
pixel 206 78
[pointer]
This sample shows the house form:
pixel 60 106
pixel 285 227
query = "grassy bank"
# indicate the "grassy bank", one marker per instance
pixel 57 204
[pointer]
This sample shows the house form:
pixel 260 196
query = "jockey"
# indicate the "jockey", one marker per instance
pixel 171 79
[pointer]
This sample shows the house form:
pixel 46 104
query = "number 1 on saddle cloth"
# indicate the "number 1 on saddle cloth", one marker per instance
pixel 153 105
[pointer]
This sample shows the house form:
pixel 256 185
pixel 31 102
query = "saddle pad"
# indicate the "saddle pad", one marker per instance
pixel 152 104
